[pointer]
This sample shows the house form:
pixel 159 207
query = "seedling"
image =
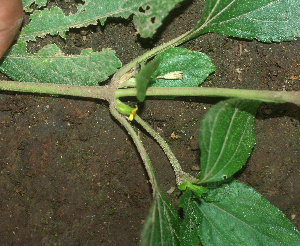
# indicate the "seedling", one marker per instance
pixel 218 209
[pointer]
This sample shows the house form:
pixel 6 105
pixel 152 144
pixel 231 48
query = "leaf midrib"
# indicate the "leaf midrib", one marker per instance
pixel 234 217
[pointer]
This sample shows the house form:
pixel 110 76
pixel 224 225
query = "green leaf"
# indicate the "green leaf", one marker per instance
pixel 162 225
pixel 189 226
pixel 196 189
pixel 144 76
pixel 265 20
pixel 195 67
pixel 226 138
pixel 148 16
pixel 151 14
pixel 50 65
pixel 239 216
pixel 40 3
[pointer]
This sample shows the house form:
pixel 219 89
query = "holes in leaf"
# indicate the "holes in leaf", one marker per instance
pixel 141 10
pixel 224 177
pixel 152 19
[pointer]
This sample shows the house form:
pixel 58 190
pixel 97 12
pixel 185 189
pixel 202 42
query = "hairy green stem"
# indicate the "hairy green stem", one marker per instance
pixel 106 92
pixel 140 147
pixel 131 83
pixel 99 92
pixel 151 53
pixel 262 95
pixel 181 176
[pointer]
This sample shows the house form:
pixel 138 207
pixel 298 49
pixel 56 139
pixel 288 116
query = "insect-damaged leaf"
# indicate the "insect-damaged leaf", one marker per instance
pixel 50 65
pixel 40 3
pixel 148 16
pixel 226 138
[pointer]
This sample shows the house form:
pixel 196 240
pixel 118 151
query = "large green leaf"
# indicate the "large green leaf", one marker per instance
pixel 265 20
pixel 50 65
pixel 148 16
pixel 238 215
pixel 195 67
pixel 162 225
pixel 226 138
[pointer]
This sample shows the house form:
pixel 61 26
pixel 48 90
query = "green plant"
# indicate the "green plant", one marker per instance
pixel 212 196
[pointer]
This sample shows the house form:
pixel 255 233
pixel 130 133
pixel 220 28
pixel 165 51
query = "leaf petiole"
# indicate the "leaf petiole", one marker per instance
pixel 196 189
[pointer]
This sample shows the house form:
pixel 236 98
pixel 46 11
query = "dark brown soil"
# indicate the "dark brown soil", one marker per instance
pixel 70 174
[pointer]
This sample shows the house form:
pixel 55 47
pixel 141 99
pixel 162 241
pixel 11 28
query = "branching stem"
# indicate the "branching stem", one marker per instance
pixel 140 147
pixel 180 175
pixel 107 92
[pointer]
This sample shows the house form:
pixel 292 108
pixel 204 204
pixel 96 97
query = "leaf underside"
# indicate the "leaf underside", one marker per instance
pixel 238 216
pixel 264 20
pixel 50 65
pixel 226 138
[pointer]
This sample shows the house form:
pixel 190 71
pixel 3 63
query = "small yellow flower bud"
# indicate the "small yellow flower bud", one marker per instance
pixel 133 112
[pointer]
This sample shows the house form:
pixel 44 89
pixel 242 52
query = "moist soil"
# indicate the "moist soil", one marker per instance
pixel 71 175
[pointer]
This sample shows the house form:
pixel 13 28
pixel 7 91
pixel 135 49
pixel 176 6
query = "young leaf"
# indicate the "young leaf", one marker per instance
pixel 50 65
pixel 195 67
pixel 265 20
pixel 162 225
pixel 148 16
pixel 238 216
pixel 143 78
pixel 226 138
